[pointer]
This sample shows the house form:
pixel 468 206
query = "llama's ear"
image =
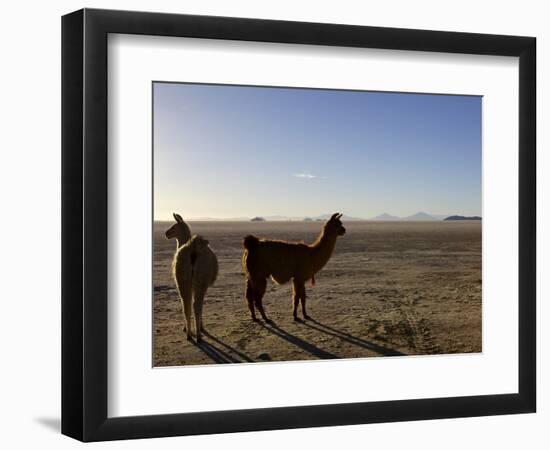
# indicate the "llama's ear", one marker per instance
pixel 178 218
pixel 340 215
pixel 334 216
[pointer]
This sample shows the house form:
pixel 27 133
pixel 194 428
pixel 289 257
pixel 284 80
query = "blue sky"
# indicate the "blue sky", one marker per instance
pixel 238 151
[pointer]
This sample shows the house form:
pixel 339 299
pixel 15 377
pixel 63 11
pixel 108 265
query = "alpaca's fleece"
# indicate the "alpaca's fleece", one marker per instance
pixel 195 269
pixel 195 264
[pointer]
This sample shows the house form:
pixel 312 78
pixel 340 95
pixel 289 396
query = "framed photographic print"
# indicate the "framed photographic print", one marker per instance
pixel 273 224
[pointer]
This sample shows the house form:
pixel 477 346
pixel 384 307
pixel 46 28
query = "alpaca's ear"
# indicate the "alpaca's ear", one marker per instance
pixel 178 218
pixel 334 216
pixel 340 215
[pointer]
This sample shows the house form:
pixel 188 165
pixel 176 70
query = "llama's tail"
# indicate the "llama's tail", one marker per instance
pixel 250 242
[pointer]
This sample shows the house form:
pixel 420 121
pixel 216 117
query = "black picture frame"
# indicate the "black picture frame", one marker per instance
pixel 84 224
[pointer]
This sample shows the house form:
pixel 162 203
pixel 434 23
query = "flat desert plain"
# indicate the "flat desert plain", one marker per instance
pixel 390 288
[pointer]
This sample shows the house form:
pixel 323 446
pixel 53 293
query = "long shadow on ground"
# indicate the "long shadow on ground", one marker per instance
pixel 299 342
pixel 216 354
pixel 343 335
pixel 219 351
pixel 228 347
pixel 222 353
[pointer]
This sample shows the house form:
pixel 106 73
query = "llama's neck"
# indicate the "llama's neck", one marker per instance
pixel 322 249
pixel 180 242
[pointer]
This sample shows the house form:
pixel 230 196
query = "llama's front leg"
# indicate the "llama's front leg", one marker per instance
pixel 250 295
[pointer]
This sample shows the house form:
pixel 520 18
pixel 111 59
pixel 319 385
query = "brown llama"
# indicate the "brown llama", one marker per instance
pixel 283 261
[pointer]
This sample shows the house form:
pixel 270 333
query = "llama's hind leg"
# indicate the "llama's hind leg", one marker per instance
pixel 303 301
pixel 259 287
pixel 298 293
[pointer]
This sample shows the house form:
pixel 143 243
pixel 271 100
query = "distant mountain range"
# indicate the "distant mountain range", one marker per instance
pixel 328 216
pixel 321 217
pixel 463 218
pixel 419 216
pixel 386 217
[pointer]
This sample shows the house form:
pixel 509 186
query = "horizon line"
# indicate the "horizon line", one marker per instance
pixel 285 218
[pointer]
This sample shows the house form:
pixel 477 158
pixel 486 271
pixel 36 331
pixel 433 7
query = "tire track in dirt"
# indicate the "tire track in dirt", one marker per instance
pixel 420 332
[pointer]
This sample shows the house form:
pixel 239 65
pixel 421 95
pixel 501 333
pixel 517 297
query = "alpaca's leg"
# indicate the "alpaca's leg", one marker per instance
pixel 185 291
pixel 297 288
pixel 197 309
pixel 260 286
pixel 250 299
pixel 187 314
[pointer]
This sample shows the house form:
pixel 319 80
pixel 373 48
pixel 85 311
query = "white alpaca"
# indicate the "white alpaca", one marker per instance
pixel 195 268
pixel 180 230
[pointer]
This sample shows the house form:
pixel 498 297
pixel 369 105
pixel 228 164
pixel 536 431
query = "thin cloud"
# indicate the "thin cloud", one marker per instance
pixel 306 175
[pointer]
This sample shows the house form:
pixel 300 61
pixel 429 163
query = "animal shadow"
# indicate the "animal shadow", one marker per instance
pixel 215 353
pixel 228 347
pixel 219 351
pixel 345 336
pixel 272 327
